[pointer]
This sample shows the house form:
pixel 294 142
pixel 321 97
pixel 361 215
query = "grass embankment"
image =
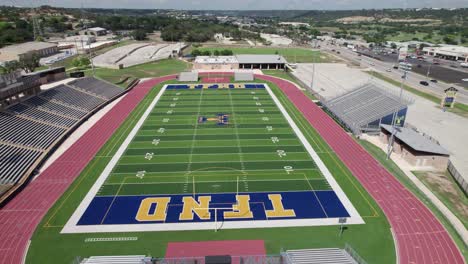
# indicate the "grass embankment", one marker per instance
pixel 444 186
pixel 153 69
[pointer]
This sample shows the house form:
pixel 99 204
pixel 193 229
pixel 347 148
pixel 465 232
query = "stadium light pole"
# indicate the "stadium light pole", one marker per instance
pixel 406 67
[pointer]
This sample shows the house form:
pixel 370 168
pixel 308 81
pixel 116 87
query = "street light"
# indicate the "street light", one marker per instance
pixel 406 67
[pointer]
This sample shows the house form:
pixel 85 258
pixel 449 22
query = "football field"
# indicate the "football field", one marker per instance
pixel 213 158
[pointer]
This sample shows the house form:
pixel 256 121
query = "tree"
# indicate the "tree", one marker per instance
pixel 450 40
pixel 226 52
pixel 216 53
pixel 29 63
pixel 139 34
pixel 81 62
pixel 206 53
pixel 10 66
pixel 196 52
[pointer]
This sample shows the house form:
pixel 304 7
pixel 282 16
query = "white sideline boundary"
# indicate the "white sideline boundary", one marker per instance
pixel 72 227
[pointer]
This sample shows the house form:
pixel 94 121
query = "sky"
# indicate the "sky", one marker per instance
pixel 243 4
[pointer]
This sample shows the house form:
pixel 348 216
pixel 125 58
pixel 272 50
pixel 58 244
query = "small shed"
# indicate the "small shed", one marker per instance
pixel 418 150
pixel 244 76
pixel 188 77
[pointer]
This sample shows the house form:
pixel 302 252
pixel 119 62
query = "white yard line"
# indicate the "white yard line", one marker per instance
pixel 195 132
pixel 354 215
pixel 72 227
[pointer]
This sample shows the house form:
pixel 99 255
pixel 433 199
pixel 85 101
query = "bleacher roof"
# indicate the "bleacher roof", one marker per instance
pixel 243 59
pixel 361 106
pixel 416 141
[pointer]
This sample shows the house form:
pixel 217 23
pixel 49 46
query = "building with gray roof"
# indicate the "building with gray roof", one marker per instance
pixel 418 150
pixel 241 61
pixel 19 51
pixel 261 61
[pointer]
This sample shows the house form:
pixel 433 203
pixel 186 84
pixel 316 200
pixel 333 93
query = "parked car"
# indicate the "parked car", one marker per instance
pixel 389 70
pixel 424 83
pixel 434 80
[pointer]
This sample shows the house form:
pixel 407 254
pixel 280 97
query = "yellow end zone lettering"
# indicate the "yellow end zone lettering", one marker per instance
pixel 159 213
pixel 241 209
pixel 278 208
pixel 200 208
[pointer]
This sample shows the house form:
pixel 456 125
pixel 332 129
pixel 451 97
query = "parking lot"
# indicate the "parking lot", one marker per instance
pixel 447 71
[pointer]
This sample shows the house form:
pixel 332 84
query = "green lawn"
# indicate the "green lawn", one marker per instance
pixel 376 246
pixel 153 69
pixel 292 55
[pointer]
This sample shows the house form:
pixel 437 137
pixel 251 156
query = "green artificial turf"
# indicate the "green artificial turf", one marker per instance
pixel 214 164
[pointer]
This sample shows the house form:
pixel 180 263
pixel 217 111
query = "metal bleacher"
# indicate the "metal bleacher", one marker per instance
pixel 96 87
pixel 73 97
pixel 319 256
pixel 131 259
pixel 43 115
pixel 365 104
pixel 32 127
pixel 55 107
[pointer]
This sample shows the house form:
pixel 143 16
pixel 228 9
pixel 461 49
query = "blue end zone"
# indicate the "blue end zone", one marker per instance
pixel 215 86
pixel 306 205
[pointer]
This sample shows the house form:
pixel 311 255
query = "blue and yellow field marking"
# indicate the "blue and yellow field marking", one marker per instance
pixel 189 208
pixel 220 119
pixel 216 86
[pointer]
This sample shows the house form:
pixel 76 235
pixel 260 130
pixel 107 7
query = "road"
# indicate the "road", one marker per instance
pixel 413 79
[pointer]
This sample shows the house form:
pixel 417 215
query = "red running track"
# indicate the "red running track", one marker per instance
pixel 420 237
pixel 200 249
pixel 19 217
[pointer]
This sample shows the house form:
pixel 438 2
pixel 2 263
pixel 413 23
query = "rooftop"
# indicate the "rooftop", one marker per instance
pixel 216 59
pixel 451 49
pixel 96 29
pixel 416 141
pixel 266 59
pixel 11 52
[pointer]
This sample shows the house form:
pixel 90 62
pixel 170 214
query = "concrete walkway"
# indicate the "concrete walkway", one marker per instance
pixel 406 168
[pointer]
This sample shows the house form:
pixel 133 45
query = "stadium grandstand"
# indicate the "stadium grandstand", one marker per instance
pixel 33 122
pixel 364 109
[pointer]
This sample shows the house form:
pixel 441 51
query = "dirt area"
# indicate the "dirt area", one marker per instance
pixel 155 36
pixel 355 19
pixel 448 191
pixel 409 20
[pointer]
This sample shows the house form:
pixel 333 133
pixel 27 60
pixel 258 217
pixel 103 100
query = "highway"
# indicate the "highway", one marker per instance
pixel 413 78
